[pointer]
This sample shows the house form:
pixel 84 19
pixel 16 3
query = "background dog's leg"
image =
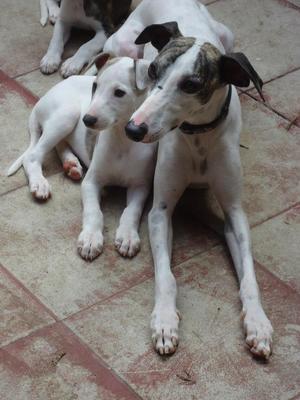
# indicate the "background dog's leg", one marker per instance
pixel 54 130
pixel 74 64
pixel 70 162
pixel 257 327
pixel 53 10
pixel 127 238
pixel 164 318
pixel 90 240
pixel 50 62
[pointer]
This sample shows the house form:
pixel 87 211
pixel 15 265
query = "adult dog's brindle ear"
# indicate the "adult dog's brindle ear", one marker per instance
pixel 159 34
pixel 235 68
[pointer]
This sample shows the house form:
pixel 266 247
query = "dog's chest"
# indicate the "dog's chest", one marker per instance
pixel 199 160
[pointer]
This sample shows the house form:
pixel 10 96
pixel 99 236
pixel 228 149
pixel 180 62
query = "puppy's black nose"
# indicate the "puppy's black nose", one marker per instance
pixel 89 120
pixel 136 132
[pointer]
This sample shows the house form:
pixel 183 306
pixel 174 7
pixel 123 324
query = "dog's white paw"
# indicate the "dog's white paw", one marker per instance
pixel 50 63
pixel 164 326
pixel 40 189
pixel 90 244
pixel 72 66
pixel 53 15
pixel 258 330
pixel 127 241
pixel 73 169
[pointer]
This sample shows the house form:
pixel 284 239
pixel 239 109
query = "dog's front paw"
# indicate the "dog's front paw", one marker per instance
pixel 40 189
pixel 164 326
pixel 73 169
pixel 50 63
pixel 127 241
pixel 258 330
pixel 72 66
pixel 90 244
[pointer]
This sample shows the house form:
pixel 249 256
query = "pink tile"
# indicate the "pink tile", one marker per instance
pixel 53 364
pixel 212 361
pixel 20 312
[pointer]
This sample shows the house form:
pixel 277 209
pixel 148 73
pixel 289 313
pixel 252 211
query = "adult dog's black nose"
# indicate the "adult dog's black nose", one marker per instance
pixel 89 120
pixel 136 132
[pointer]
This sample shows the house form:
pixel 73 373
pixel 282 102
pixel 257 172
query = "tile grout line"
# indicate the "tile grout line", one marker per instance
pixel 14 86
pixel 24 73
pixel 288 4
pixel 277 278
pixel 32 296
pixel 275 215
pixel 143 280
pixel 102 362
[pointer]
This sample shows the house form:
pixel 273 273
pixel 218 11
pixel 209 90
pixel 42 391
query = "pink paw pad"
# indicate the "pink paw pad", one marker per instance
pixel 73 170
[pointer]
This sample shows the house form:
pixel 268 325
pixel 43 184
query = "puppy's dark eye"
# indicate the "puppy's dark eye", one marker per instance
pixel 152 72
pixel 119 93
pixel 94 87
pixel 190 85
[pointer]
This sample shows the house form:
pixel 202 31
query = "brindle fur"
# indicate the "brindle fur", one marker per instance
pixel 111 13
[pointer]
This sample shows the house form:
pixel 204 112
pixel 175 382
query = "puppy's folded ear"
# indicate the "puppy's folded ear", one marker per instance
pixel 235 68
pixel 159 34
pixel 142 79
pixel 101 60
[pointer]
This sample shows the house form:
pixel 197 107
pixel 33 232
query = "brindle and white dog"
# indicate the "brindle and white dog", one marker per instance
pixel 101 16
pixel 193 109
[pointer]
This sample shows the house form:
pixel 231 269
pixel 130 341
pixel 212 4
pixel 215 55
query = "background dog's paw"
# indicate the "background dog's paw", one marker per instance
pixel 90 244
pixel 164 326
pixel 72 66
pixel 40 189
pixel 127 241
pixel 49 64
pixel 258 330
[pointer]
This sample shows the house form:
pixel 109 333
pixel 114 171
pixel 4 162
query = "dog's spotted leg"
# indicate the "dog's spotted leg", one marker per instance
pixel 74 64
pixel 71 164
pixel 165 317
pixel 258 329
pixel 127 240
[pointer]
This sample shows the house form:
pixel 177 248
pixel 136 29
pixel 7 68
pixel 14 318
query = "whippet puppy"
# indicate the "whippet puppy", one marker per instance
pixel 193 109
pixel 67 118
pixel 102 17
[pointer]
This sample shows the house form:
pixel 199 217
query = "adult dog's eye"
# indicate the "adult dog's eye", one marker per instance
pixel 190 85
pixel 152 72
pixel 94 87
pixel 119 93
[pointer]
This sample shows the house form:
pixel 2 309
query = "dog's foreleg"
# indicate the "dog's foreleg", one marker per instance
pixel 127 240
pixel 74 64
pixel 70 162
pixel 50 62
pixel 165 317
pixel 257 327
pixel 53 9
pixel 90 240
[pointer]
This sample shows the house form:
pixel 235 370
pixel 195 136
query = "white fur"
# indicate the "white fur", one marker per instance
pixel 49 10
pixel 56 121
pixel 72 14
pixel 178 153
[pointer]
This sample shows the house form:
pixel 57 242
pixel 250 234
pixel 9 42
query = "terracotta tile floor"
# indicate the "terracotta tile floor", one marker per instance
pixel 75 330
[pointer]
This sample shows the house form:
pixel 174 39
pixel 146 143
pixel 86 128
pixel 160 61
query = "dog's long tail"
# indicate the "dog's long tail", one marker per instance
pixel 35 133
pixel 44 12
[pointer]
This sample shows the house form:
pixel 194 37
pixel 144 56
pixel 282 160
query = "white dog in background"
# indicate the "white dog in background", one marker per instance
pixel 63 118
pixel 49 11
pixel 101 17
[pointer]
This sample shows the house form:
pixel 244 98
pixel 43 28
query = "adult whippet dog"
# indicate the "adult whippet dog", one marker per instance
pixel 194 110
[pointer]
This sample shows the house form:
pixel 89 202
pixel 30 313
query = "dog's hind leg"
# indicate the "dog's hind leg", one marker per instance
pixel 70 162
pixel 258 328
pixel 82 57
pixel 127 240
pixel 54 130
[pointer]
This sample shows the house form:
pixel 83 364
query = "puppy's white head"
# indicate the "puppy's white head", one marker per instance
pixel 117 91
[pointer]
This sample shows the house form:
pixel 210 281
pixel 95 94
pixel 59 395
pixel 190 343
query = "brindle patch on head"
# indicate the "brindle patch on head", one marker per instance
pixel 111 13
pixel 171 52
pixel 207 69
